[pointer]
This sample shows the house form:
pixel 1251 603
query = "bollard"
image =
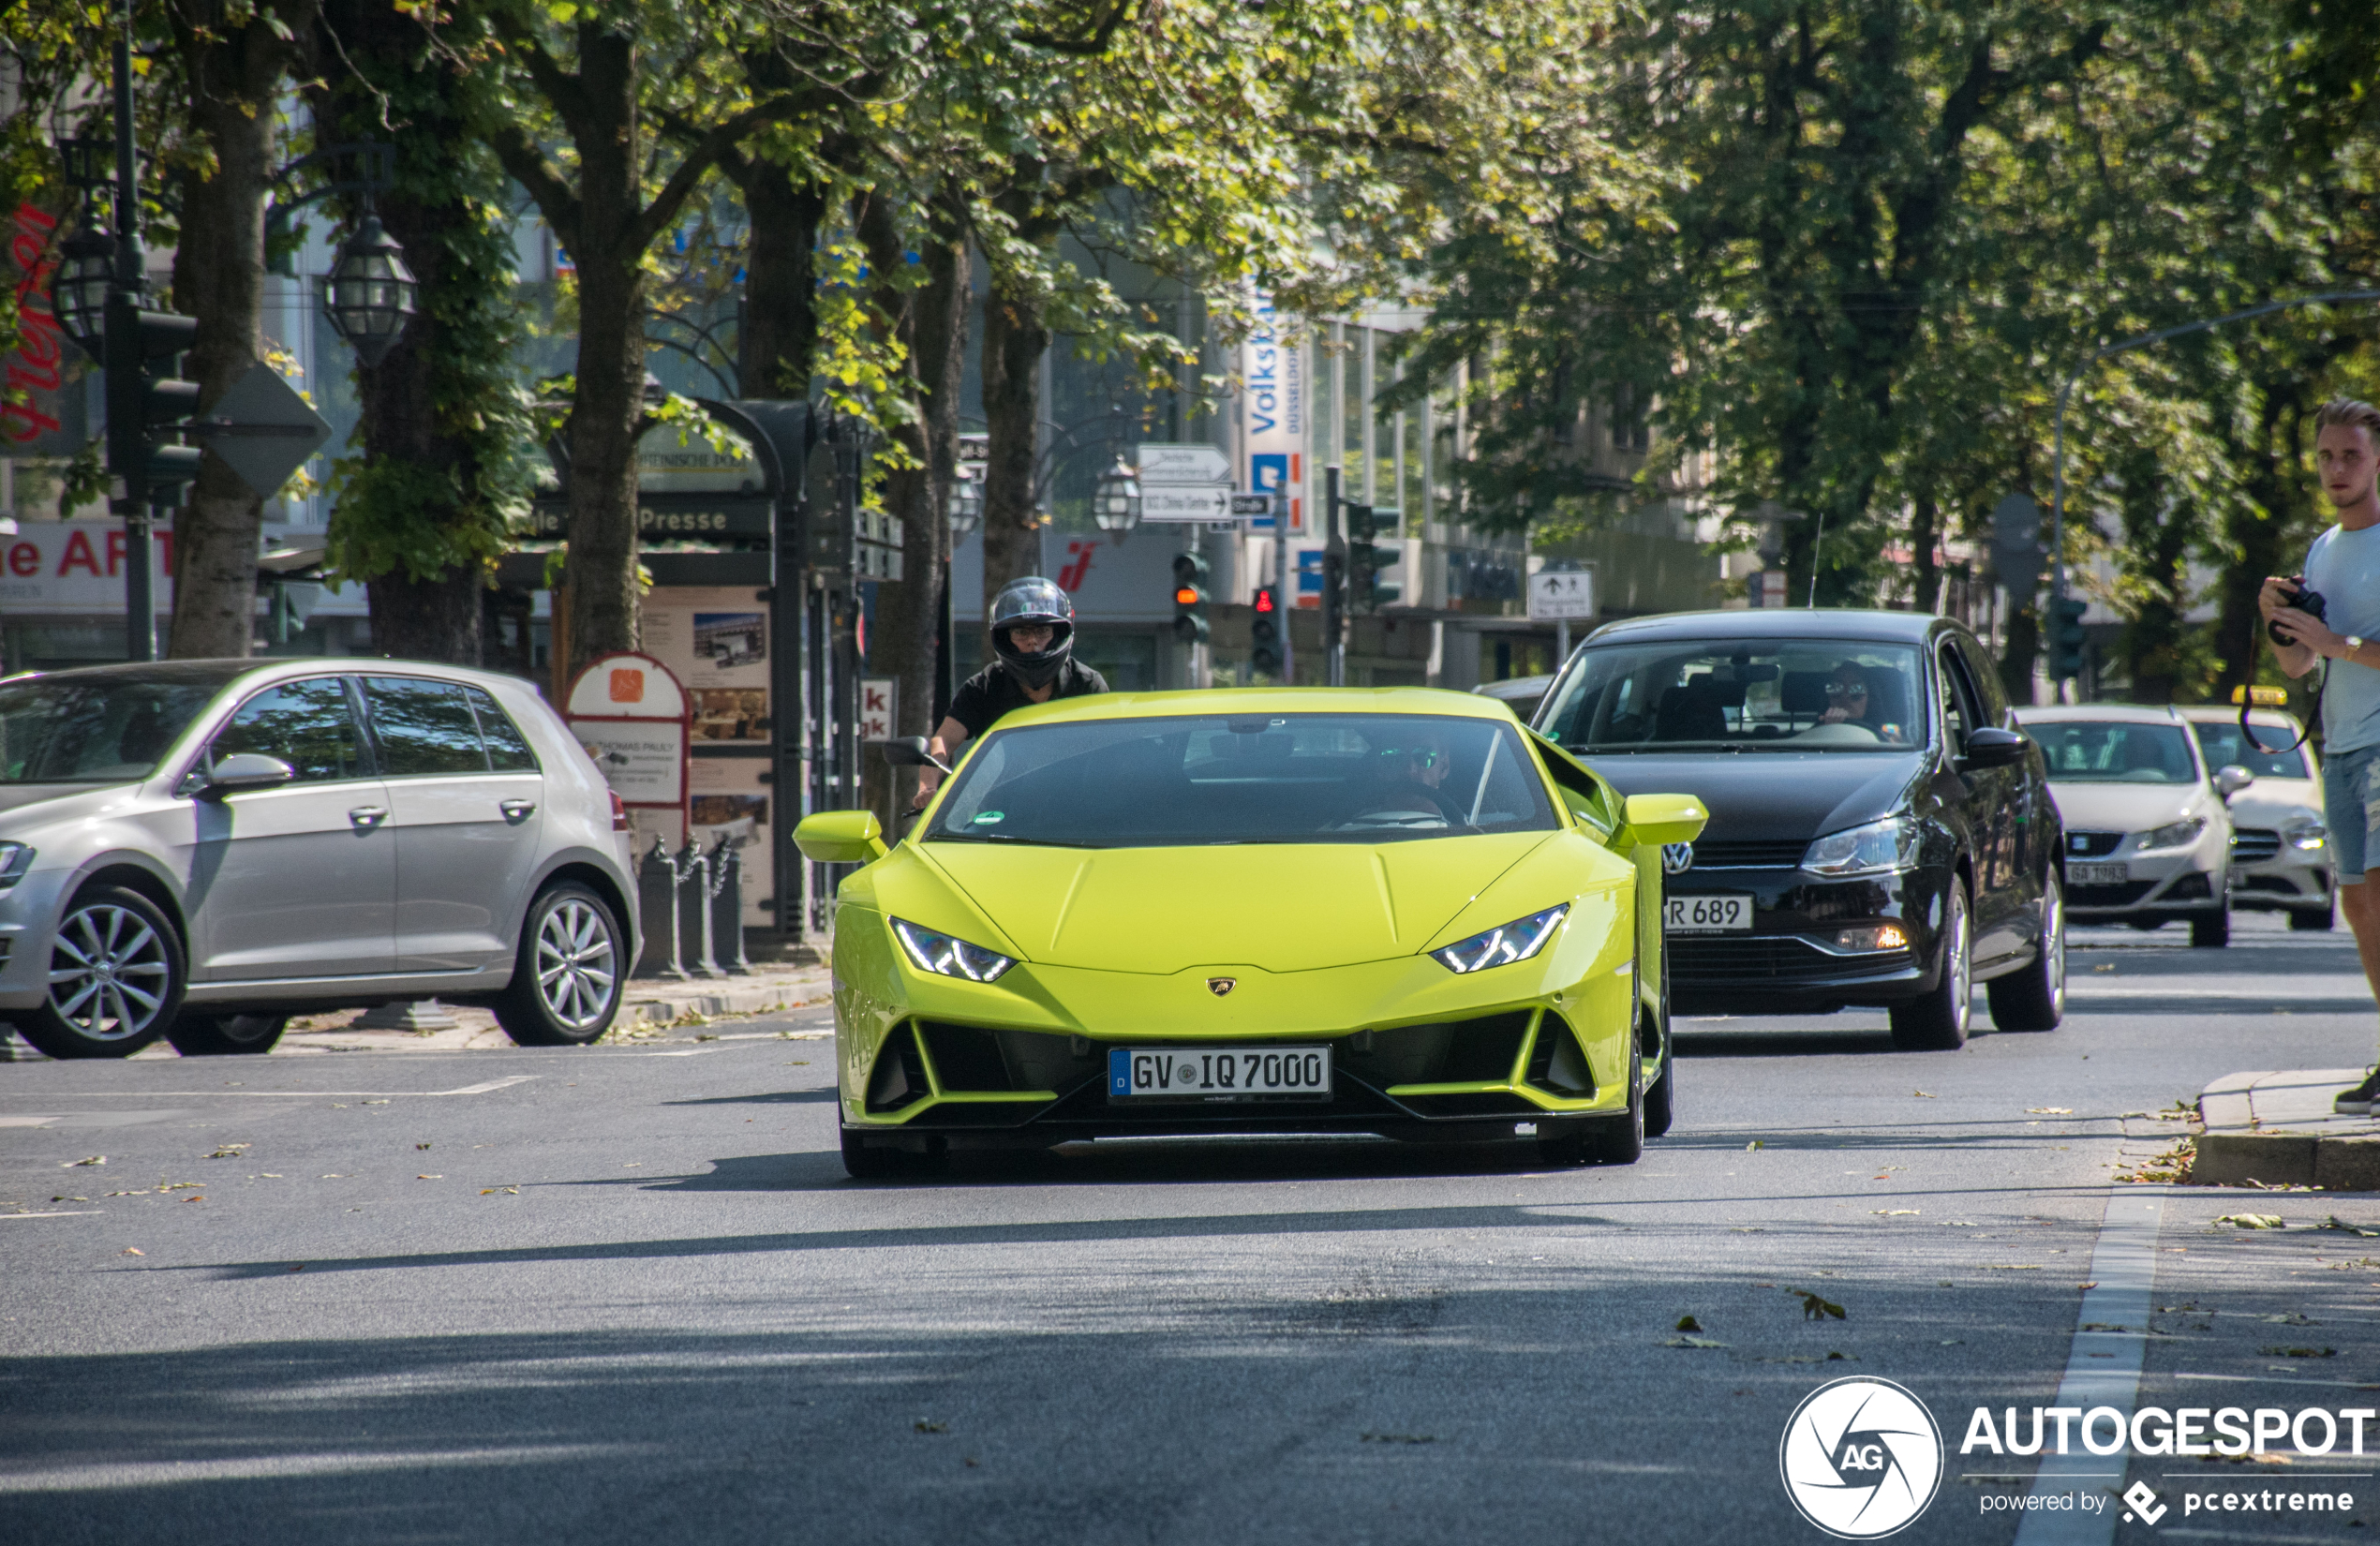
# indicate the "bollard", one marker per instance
pixel 727 907
pixel 657 881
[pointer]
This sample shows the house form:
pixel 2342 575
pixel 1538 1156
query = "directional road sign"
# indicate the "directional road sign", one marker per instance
pixel 1251 504
pixel 1185 502
pixel 263 430
pixel 1561 595
pixel 1184 480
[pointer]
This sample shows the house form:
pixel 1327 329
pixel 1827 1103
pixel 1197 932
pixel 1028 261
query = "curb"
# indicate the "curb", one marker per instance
pixel 747 1001
pixel 2287 1159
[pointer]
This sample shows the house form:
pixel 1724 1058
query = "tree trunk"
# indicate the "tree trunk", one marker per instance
pixel 2254 528
pixel 778 332
pixel 233 73
pixel 1016 336
pixel 414 520
pixel 1925 521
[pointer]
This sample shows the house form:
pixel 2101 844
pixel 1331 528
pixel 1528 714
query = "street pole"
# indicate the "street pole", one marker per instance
pixel 2058 433
pixel 126 397
pixel 1334 570
pixel 1282 597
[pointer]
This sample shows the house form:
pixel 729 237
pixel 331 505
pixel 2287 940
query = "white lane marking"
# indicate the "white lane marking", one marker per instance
pixel 171 1473
pixel 692 1052
pixel 2124 1272
pixel 297 1094
pixel 26 1122
pixel 64 1214
pixel 2265 1379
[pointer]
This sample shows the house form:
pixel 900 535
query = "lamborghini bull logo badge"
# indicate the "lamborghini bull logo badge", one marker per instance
pixel 1221 986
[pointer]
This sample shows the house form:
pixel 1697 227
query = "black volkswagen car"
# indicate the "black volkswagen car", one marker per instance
pixel 1882 833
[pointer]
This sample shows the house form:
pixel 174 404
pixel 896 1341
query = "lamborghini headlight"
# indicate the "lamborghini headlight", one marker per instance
pixel 1879 848
pixel 1501 946
pixel 2180 834
pixel 948 956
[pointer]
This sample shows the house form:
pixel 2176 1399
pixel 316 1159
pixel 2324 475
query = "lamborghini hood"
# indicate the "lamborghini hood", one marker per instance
pixel 1281 907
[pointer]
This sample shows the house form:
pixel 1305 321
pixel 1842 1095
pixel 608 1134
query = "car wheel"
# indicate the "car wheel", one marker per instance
pixel 1938 1022
pixel 2035 998
pixel 225 1035
pixel 2211 932
pixel 1660 1100
pixel 115 979
pixel 864 1162
pixel 1620 1140
pixel 567 982
pixel 2313 920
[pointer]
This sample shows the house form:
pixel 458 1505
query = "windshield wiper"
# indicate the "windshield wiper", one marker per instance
pixel 1006 837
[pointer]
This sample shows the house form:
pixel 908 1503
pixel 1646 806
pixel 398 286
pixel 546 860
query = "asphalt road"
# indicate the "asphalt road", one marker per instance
pixel 626 1294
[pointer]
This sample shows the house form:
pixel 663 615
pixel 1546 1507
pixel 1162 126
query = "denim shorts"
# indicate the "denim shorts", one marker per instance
pixel 2351 809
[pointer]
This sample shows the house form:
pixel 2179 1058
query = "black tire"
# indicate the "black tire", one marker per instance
pixel 2309 921
pixel 570 972
pixel 1660 1101
pixel 2211 931
pixel 2034 999
pixel 863 1162
pixel 225 1035
pixel 1620 1140
pixel 121 949
pixel 1938 1022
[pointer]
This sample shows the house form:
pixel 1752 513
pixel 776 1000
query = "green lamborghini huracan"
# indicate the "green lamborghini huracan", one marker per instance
pixel 1395 911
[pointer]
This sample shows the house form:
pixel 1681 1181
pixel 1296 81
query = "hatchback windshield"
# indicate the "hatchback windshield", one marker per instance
pixel 1268 779
pixel 2114 751
pixel 107 727
pixel 1766 696
pixel 2224 746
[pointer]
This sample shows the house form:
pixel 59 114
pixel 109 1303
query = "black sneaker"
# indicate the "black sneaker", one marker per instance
pixel 2357 1101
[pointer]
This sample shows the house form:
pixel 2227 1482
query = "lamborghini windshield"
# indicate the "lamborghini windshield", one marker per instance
pixel 1723 696
pixel 1245 779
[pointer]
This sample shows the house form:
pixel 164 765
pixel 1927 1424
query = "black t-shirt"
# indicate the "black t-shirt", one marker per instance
pixel 984 697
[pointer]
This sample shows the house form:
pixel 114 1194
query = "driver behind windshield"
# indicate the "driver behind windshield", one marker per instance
pixel 1851 700
pixel 1410 774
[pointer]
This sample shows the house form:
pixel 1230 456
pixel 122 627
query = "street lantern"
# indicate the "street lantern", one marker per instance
pixel 966 505
pixel 1115 500
pixel 368 293
pixel 79 289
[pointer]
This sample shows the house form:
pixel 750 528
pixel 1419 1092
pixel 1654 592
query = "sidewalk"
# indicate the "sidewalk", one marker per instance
pixel 2278 1128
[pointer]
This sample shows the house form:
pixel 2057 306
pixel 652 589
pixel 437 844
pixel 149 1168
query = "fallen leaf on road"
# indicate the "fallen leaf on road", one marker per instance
pixel 1954 1341
pixel 134 1251
pixel 2299 1352
pixel 2291 1320
pixel 1685 1323
pixel 925 1427
pixel 2109 967
pixel 1393 1438
pixel 1693 1341
pixel 228 1150
pixel 429 1178
pixel 1894 1213
pixel 421 1146
pixel 195 1197
pixel 2335 1222
pixel 2253 1221
pixel 1754 1144
pixel 1842 1358
pixel 2050 1110
pixel 376 1103
pixel 95 1159
pixel 1923 1094
pixel 1814 1307
pixel 1746 1229
pixel 491 1191
pixel 270 1176
pixel 1791 1358
pixel 297 1266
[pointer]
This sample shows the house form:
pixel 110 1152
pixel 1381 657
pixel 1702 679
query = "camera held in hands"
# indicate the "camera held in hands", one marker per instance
pixel 2308 602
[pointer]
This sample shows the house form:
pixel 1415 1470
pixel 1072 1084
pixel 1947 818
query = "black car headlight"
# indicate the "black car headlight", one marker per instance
pixel 948 955
pixel 1516 941
pixel 15 860
pixel 1878 848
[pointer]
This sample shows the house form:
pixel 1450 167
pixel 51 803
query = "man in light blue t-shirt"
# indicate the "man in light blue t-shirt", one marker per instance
pixel 2343 567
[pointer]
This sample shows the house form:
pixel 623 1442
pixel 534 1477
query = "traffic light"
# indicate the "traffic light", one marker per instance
pixel 1190 598
pixel 1264 636
pixel 2066 637
pixel 148 401
pixel 1366 556
pixel 1334 597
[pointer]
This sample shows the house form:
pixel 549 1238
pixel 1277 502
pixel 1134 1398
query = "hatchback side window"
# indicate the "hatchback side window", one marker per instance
pixel 308 724
pixel 1991 697
pixel 1957 713
pixel 422 727
pixel 507 748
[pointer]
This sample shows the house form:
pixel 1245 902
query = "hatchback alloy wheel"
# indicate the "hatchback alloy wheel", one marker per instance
pixel 576 965
pixel 109 973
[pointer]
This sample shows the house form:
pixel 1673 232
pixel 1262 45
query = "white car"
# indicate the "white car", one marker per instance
pixel 2280 850
pixel 2147 834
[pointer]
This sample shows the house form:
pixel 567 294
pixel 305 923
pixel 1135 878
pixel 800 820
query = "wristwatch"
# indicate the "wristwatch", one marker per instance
pixel 2354 643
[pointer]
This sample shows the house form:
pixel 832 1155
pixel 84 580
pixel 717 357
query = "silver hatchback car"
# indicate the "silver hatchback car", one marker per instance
pixel 201 849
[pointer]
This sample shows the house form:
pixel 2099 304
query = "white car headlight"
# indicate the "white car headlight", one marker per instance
pixel 15 860
pixel 2308 838
pixel 948 956
pixel 1878 848
pixel 1501 946
pixel 2180 834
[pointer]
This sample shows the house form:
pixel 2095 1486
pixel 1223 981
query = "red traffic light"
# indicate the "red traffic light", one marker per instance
pixel 1264 600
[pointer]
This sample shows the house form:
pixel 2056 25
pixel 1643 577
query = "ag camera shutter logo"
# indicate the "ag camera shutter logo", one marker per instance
pixel 1861 1458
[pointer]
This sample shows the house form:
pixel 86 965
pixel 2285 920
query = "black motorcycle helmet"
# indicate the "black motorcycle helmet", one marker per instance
pixel 1032 601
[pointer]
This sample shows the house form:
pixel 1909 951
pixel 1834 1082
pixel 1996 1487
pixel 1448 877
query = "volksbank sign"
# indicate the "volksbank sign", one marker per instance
pixel 1273 414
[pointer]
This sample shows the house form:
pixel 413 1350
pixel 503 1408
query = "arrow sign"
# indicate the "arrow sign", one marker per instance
pixel 263 430
pixel 1185 462
pixel 1184 503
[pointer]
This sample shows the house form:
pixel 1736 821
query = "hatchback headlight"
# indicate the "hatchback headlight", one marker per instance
pixel 1878 848
pixel 1501 946
pixel 948 955
pixel 15 860
pixel 2180 834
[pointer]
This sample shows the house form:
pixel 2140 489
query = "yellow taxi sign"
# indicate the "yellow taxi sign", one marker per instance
pixel 2263 697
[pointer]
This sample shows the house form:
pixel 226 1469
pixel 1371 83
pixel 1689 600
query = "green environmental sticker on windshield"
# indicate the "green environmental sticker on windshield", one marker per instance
pixel 991 818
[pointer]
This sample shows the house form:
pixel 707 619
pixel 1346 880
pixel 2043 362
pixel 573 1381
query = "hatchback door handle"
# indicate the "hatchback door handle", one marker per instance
pixel 368 816
pixel 517 811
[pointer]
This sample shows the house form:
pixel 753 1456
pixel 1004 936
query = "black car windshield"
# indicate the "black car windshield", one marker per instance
pixel 2225 747
pixel 1256 778
pixel 1742 695
pixel 100 726
pixel 2114 751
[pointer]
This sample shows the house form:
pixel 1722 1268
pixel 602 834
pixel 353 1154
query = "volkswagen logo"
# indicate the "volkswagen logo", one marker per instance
pixel 1677 857
pixel 1220 986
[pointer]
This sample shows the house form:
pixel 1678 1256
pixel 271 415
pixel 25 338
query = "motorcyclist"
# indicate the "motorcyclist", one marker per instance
pixel 1033 635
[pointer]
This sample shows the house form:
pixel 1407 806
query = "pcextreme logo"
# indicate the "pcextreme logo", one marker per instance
pixel 1861 1458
